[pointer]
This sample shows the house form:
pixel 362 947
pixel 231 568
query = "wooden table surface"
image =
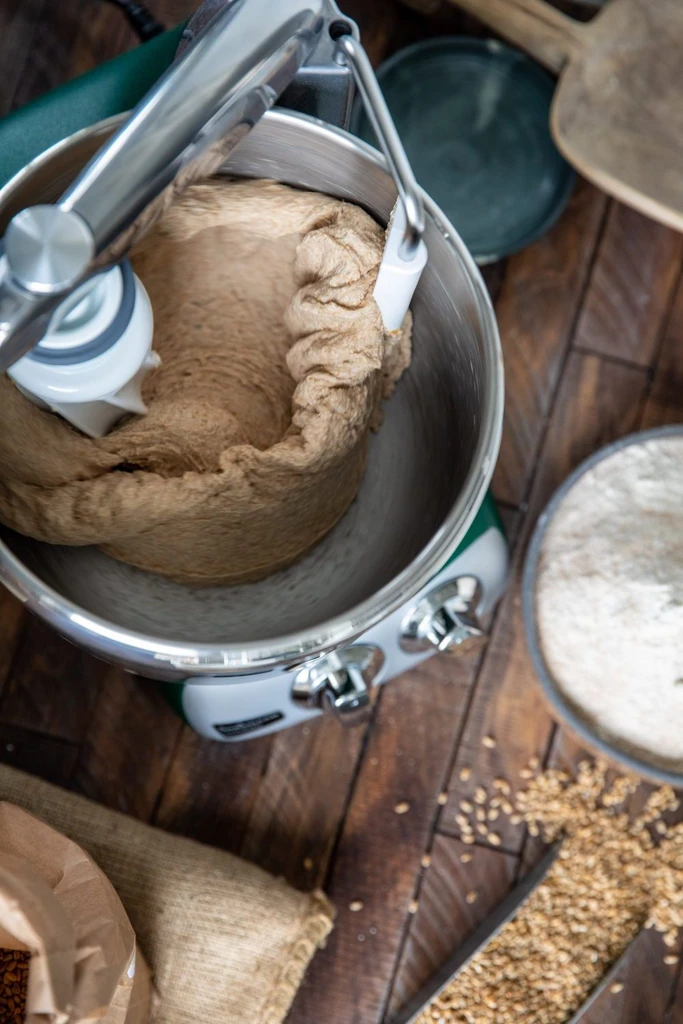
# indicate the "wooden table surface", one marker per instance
pixel 591 319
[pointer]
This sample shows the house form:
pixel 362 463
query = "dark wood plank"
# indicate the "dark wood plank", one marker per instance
pixel 50 58
pixel 52 759
pixel 11 622
pixel 284 809
pixel 444 918
pixel 494 274
pixel 18 24
pixel 665 401
pixel 74 37
pixel 444 20
pixel 636 268
pixel 172 12
pixel 536 310
pixel 52 685
pixel 210 789
pixel 512 520
pixel 598 401
pixel 378 859
pixel 377 22
pixel 301 799
pixel 647 982
pixel 674 1014
pixel 128 745
pixel 101 35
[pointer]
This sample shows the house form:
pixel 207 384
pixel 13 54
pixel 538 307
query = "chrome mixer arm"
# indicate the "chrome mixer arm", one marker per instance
pixel 182 130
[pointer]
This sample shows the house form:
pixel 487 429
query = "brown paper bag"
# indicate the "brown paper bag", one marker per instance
pixel 57 904
pixel 228 943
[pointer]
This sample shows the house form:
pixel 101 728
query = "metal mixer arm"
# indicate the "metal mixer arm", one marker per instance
pixel 198 111
pixel 182 130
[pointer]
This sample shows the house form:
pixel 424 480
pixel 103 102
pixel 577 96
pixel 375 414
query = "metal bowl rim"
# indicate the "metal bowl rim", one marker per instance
pixel 559 704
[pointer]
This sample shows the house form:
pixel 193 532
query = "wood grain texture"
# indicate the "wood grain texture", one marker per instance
pixel 127 748
pixel 18 23
pixel 210 789
pixel 378 858
pixel 301 799
pixel 615 114
pixel 665 401
pixel 598 401
pixel 444 918
pixel 674 1013
pixel 647 981
pixel 536 310
pixel 378 21
pixel 494 274
pixel 51 685
pixel 278 801
pixel 512 520
pixel 51 50
pixel 11 622
pixel 50 758
pixel 635 272
pixel 103 34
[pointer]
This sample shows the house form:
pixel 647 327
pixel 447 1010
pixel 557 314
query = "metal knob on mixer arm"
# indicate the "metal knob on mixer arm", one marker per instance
pixel 47 250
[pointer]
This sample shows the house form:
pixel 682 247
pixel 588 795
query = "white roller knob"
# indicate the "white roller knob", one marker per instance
pixel 90 365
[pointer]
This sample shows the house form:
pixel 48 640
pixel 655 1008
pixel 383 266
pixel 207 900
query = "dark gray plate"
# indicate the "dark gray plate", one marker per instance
pixel 473 117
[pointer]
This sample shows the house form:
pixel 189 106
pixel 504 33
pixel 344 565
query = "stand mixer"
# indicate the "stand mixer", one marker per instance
pixel 375 596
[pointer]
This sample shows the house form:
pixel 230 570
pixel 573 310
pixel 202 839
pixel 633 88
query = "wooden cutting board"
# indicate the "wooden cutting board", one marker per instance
pixel 617 114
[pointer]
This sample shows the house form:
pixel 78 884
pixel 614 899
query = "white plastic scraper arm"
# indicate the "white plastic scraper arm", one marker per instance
pixel 90 365
pixel 397 278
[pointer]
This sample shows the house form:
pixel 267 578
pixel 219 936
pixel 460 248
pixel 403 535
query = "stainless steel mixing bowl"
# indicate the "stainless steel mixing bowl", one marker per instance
pixel 429 465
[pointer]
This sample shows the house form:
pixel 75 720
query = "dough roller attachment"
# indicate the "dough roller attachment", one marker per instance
pixel 62 285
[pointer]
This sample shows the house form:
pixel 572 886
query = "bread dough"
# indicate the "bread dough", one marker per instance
pixel 274 363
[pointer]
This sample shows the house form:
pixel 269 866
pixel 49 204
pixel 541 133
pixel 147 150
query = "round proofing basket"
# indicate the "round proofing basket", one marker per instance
pixel 561 708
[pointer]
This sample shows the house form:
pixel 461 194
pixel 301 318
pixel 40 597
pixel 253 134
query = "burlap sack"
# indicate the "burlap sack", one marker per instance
pixel 57 904
pixel 226 942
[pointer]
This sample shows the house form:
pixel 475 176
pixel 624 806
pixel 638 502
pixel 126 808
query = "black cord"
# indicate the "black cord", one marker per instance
pixel 142 21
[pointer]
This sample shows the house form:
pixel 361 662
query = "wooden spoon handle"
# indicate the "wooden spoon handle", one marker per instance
pixel 544 32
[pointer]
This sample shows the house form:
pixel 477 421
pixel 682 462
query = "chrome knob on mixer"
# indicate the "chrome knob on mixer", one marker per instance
pixel 445 619
pixel 340 681
pixel 48 249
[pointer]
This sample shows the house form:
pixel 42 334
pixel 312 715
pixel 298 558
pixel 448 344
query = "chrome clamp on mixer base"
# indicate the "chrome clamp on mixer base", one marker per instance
pixel 418 561
pixel 449 615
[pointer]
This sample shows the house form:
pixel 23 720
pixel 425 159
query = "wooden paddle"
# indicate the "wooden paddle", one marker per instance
pixel 617 114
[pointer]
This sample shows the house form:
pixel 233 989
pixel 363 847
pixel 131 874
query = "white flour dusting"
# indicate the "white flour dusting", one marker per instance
pixel 609 598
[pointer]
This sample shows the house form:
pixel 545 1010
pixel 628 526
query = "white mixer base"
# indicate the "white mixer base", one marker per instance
pixel 236 708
